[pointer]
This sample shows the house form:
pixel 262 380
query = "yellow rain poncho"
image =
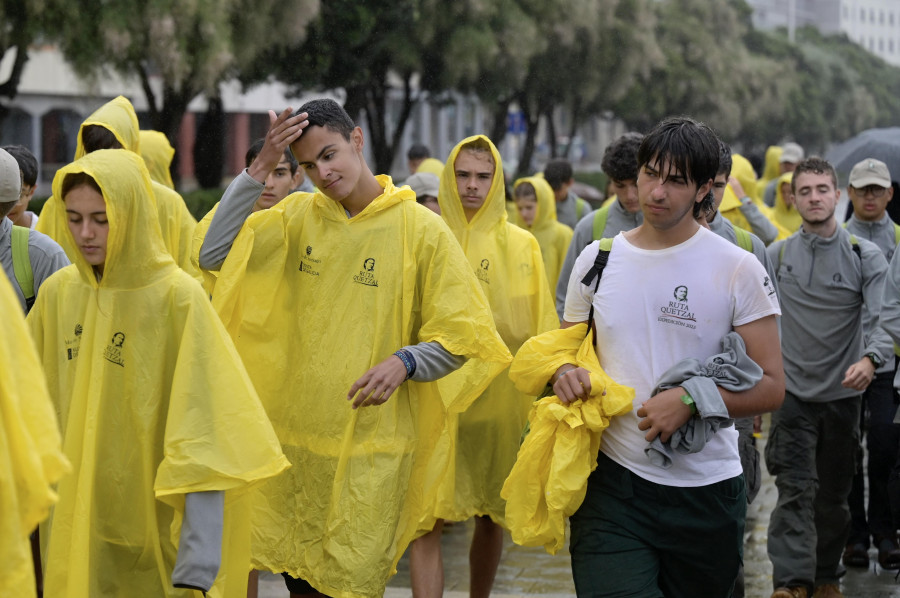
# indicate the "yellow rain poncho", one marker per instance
pixel 549 480
pixel 209 276
pixel 771 169
pixel 31 458
pixel 157 153
pixel 153 403
pixel 553 236
pixel 742 170
pixel 786 215
pixel 432 165
pixel 507 261
pixel 314 300
pixel 176 222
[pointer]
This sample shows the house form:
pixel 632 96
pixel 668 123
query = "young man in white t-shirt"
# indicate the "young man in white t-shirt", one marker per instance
pixel 671 290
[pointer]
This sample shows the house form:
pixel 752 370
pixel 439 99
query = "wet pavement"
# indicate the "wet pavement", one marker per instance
pixel 532 572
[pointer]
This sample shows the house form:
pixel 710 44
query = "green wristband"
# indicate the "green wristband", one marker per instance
pixel 687 400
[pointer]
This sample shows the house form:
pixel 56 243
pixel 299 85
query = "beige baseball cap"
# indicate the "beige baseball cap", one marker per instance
pixel 10 178
pixel 870 172
pixel 791 152
pixel 424 183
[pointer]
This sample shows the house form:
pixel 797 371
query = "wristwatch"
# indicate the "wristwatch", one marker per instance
pixel 876 361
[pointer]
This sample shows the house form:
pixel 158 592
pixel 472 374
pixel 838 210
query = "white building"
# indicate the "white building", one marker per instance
pixel 873 24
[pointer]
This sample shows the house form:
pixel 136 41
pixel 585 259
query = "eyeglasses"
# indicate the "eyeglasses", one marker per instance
pixel 875 190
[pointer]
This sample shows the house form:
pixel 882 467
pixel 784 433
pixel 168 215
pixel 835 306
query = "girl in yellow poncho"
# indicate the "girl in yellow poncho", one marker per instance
pixel 485 438
pixel 537 214
pixel 156 410
pixel 113 125
pixel 319 291
pixel 785 212
pixel 157 153
pixel 31 458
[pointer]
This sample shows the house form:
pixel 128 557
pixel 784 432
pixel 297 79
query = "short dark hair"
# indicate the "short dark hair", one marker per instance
pixel 620 157
pixel 328 113
pixel 705 205
pixel 77 179
pixel 558 172
pixel 418 152
pixel 28 164
pixel 257 147
pixel 97 137
pixel 725 160
pixel 689 146
pixel 815 165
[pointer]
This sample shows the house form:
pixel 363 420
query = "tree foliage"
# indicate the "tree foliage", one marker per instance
pixel 189 45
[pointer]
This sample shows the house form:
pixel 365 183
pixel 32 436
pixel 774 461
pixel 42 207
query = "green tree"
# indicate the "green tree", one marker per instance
pixel 176 49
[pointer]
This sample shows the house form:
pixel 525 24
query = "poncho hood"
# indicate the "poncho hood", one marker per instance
pixel 742 170
pixel 119 117
pixel 135 253
pixel 157 153
pixel 491 213
pixel 390 196
pixel 785 215
pixel 546 204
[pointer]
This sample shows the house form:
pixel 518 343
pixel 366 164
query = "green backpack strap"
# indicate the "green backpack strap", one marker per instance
pixel 743 239
pixel 22 263
pixel 600 217
pixel 579 208
pixel 896 234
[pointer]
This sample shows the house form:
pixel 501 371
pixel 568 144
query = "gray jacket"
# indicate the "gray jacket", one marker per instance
pixel 45 255
pixel 567 210
pixel 881 233
pixel 731 369
pixel 617 220
pixel 890 310
pixel 830 305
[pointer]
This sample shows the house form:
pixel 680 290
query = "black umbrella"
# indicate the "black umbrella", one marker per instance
pixel 881 144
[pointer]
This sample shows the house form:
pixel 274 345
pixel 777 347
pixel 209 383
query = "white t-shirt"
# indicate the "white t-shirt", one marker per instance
pixel 655 308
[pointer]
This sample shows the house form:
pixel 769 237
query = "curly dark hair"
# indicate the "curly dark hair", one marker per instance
pixel 815 165
pixel 620 157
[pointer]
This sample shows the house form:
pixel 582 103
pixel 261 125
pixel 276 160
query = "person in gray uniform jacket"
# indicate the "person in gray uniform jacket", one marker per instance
pixel 870 191
pixel 28 257
pixel 624 213
pixel 830 288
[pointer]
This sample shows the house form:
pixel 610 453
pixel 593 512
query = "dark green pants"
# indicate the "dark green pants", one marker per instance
pixel 811 451
pixel 634 538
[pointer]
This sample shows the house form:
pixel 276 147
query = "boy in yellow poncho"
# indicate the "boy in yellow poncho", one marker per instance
pixel 485 438
pixel 345 306
pixel 31 459
pixel 115 125
pixel 785 212
pixel 537 214
pixel 740 206
pixel 157 153
pixel 159 419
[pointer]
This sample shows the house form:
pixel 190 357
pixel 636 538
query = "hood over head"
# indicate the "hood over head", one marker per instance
pixel 546 202
pixel 494 208
pixel 157 153
pixel 119 117
pixel 135 253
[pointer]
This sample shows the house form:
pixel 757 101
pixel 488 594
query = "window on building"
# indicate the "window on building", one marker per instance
pixel 871 44
pixel 15 128
pixel 880 45
pixel 871 15
pixel 59 131
pixel 881 17
pixel 891 46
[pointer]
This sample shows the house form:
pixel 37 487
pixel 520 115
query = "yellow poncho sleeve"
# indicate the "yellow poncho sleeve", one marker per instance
pixel 31 458
pixel 209 276
pixel 549 479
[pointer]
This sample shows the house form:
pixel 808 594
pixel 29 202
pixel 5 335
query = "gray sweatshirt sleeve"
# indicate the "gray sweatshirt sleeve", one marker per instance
pixel 581 238
pixel 874 268
pixel 761 226
pixel 200 546
pixel 890 308
pixel 433 361
pixel 235 206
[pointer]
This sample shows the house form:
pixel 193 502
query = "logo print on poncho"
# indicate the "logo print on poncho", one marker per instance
pixel 482 273
pixel 113 353
pixel 72 345
pixel 366 276
pixel 309 264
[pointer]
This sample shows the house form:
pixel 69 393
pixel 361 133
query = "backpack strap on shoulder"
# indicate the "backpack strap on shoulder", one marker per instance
pixel 595 273
pixel 600 217
pixel 743 239
pixel 22 264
